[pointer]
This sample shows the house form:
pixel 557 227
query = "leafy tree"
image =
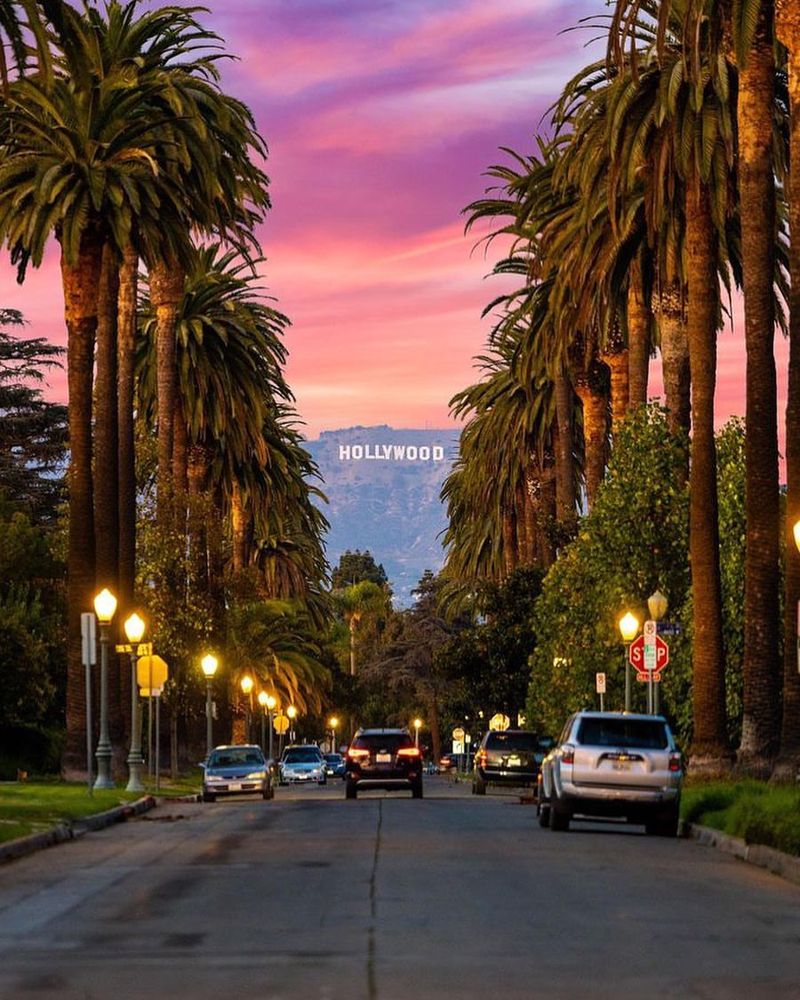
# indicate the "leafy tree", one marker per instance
pixel 353 567
pixel 33 431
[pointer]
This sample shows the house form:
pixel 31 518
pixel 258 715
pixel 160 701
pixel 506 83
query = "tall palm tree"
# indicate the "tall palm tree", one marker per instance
pixel 356 602
pixel 788 28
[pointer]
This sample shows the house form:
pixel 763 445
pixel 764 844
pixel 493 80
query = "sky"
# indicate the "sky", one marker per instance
pixel 381 117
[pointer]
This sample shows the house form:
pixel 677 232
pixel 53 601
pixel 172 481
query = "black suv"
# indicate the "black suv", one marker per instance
pixel 383 758
pixel 509 757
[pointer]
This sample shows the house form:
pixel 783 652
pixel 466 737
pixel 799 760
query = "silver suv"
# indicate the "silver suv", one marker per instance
pixel 612 764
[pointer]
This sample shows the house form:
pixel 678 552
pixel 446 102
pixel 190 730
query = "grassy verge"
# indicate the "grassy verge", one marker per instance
pixel 31 807
pixel 756 812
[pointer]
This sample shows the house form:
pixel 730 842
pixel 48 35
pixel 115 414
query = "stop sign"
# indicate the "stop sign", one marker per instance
pixel 636 654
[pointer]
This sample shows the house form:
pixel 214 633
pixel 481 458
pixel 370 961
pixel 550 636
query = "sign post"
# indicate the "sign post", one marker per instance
pixel 459 746
pixel 650 675
pixel 600 687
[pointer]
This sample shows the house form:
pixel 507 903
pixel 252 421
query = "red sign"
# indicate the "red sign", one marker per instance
pixel 636 655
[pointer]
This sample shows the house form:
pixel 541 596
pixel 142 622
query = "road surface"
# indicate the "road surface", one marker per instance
pixel 454 897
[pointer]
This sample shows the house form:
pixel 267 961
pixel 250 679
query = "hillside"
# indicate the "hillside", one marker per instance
pixel 383 486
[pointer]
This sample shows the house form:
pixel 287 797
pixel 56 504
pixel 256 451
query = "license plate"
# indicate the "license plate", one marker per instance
pixel 383 758
pixel 514 761
pixel 621 765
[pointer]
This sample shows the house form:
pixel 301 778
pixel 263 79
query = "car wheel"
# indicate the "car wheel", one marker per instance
pixel 416 790
pixel 351 790
pixel 664 824
pixel 209 797
pixel 478 786
pixel 559 818
pixel 543 809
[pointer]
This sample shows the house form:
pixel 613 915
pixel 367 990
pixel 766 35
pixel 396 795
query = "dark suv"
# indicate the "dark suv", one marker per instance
pixel 383 758
pixel 509 757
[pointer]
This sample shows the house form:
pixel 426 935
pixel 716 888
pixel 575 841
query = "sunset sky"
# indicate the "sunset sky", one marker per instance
pixel 381 116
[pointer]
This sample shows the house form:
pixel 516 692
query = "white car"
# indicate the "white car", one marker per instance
pixel 613 764
pixel 303 764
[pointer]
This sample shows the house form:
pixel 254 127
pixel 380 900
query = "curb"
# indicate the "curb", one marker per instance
pixel 785 865
pixel 71 831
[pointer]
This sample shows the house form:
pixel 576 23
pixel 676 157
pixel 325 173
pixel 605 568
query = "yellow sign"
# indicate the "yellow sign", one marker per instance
pixel 147 693
pixel 499 722
pixel 458 733
pixel 280 724
pixel 151 671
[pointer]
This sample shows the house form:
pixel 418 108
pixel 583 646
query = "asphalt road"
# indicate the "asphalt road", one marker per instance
pixel 311 897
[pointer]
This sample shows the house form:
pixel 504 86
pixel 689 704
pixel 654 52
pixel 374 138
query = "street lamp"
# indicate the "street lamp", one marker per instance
pixel 105 604
pixel 417 727
pixel 333 722
pixel 209 663
pixel 247 689
pixel 657 605
pixel 263 698
pixel 134 630
pixel 629 627
pixel 271 703
pixel 291 711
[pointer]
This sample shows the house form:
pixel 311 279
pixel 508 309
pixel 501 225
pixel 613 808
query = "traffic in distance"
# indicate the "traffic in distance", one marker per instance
pixel 617 765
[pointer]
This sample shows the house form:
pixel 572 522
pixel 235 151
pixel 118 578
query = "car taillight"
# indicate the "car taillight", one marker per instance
pixel 675 762
pixel 356 753
pixel 568 755
pixel 482 756
pixel 408 752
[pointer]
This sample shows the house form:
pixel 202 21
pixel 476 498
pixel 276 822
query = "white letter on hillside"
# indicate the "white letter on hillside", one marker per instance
pixel 438 453
pixel 344 452
pixel 425 454
pixel 358 451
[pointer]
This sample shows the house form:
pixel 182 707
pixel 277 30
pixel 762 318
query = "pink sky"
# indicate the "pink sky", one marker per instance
pixel 381 116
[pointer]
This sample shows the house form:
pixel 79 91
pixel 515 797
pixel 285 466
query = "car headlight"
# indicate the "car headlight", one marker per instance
pixel 215 777
pixel 256 774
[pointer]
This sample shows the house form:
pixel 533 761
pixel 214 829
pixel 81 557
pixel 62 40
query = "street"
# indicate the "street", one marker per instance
pixel 310 896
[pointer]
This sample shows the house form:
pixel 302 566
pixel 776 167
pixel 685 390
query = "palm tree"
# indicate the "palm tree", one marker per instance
pixel 788 28
pixel 356 602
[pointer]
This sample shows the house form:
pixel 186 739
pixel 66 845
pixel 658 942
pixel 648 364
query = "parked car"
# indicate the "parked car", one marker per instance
pixel 383 758
pixel 613 764
pixel 507 757
pixel 448 761
pixel 335 765
pixel 303 764
pixel 235 770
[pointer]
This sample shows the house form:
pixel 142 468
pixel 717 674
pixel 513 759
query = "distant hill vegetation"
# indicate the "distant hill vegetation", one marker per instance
pixel 383 485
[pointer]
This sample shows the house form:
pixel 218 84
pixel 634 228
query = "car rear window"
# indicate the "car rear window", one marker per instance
pixel 383 741
pixel 512 741
pixel 647 734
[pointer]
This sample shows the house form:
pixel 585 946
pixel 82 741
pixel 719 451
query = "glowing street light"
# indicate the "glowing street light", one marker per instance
pixel 291 711
pixel 246 685
pixel 209 665
pixel 134 630
pixel 105 604
pixel 417 727
pixel 333 722
pixel 629 628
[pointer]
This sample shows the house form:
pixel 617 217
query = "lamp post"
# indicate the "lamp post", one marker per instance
pixel 209 663
pixel 246 685
pixel 105 604
pixel 134 630
pixel 417 727
pixel 628 626
pixel 333 722
pixel 262 701
pixel 271 703
pixel 657 605
pixel 291 711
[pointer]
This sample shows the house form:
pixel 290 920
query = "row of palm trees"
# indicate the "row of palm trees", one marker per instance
pixel 670 175
pixel 117 139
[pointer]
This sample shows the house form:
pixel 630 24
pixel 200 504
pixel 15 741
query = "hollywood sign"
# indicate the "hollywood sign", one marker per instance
pixel 391 453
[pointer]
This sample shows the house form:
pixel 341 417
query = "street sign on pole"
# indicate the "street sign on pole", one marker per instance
pixel 281 724
pixel 499 722
pixel 458 733
pixel 636 654
pixel 600 681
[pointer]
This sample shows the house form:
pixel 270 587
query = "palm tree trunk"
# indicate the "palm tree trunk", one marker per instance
pixel 591 388
pixel 166 290
pixel 671 314
pixel 106 480
pixel 80 282
pixel 520 507
pixel 197 476
pixel 238 529
pixel 617 361
pixel 788 25
pixel 547 511
pixel 638 336
pixel 126 454
pixel 761 671
pixel 126 347
pixel 565 456
pixel 509 529
pixel 710 750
